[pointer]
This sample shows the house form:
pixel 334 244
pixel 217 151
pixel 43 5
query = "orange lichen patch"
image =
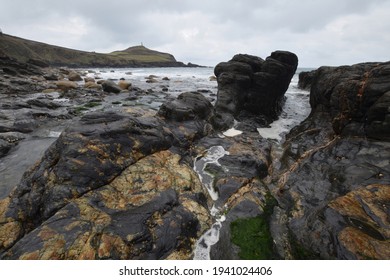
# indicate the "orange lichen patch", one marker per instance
pixel 92 214
pixel 54 248
pixel 363 245
pixel 249 191
pixel 73 225
pixel 157 218
pixel 244 148
pixel 179 255
pixel 9 233
pixel 77 161
pixel 4 204
pixel 363 84
pixel 200 212
pixel 111 243
pixel 138 200
pixel 47 233
pixel 298 209
pixel 136 110
pixel 98 148
pixel 159 171
pixel 367 205
pixel 30 256
pixel 10 229
pixel 82 248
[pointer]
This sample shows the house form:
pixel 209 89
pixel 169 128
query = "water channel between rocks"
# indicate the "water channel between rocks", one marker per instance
pixel 295 110
pixel 203 245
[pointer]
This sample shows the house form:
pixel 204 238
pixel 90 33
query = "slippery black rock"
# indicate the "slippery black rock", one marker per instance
pixel 249 85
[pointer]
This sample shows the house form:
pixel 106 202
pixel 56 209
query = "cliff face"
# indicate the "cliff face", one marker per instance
pixel 44 54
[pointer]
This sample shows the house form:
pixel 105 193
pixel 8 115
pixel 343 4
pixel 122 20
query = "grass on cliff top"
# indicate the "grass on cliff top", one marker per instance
pixel 23 49
pixel 142 54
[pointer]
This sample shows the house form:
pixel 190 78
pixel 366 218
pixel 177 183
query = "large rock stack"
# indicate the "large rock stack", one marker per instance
pixel 250 87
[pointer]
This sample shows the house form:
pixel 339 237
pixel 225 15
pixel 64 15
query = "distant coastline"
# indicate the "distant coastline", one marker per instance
pixel 43 54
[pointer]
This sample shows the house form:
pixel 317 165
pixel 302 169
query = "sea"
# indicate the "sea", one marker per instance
pixel 295 110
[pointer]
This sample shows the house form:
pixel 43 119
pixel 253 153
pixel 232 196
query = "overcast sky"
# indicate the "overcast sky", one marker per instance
pixel 330 32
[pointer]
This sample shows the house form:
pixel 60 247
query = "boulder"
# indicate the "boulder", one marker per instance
pixel 187 117
pixel 110 86
pixel 151 80
pixel 74 76
pixel 66 85
pixel 124 85
pixel 89 79
pixel 92 85
pixel 51 76
pixel 188 106
pixel 251 86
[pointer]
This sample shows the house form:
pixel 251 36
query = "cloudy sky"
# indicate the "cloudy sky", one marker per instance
pixel 330 32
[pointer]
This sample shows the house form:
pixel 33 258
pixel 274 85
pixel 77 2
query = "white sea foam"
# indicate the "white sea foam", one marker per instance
pixel 232 132
pixel 212 157
pixel 54 134
pixel 210 237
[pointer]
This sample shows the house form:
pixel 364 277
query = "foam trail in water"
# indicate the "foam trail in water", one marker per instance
pixel 210 237
pixel 212 157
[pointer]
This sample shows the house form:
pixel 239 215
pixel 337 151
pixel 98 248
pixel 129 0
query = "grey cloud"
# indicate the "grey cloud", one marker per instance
pixel 207 32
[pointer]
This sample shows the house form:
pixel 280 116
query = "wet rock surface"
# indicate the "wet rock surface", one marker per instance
pixel 114 185
pixel 106 167
pixel 334 185
pixel 124 182
pixel 250 87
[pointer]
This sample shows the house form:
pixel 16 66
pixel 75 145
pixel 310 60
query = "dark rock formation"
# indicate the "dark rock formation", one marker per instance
pixel 13 67
pixel 108 188
pixel 110 86
pixel 121 184
pixel 335 182
pixel 38 62
pixel 17 77
pixel 306 79
pixel 249 86
pixel 4 147
pixel 188 117
pixel 188 106
pixel 357 97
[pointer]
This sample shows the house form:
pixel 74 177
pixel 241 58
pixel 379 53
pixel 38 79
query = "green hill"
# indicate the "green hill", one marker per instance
pixel 25 50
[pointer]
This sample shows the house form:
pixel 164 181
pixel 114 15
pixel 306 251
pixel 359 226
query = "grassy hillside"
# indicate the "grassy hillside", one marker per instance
pixel 23 50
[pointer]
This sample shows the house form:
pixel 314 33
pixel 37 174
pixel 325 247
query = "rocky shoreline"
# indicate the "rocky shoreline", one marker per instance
pixel 120 183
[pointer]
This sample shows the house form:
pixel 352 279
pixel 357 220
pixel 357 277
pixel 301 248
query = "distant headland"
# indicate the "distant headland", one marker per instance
pixel 44 54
